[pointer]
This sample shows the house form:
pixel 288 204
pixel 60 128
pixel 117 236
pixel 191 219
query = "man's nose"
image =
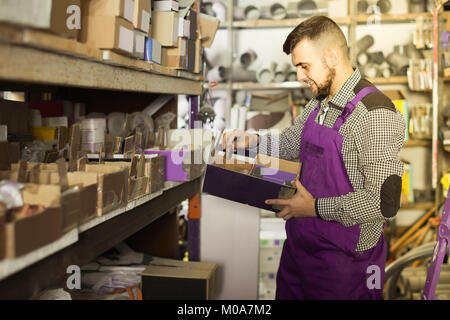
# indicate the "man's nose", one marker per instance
pixel 300 75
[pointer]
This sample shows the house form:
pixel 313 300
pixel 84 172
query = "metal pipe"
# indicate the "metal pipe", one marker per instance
pixel 384 5
pixel 252 13
pixel 275 11
pixel 307 8
pixel 365 43
pixel 247 58
pixel 363 5
pixel 281 73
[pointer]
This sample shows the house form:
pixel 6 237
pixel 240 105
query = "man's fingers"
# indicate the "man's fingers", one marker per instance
pixel 283 213
pixel 297 184
pixel 282 202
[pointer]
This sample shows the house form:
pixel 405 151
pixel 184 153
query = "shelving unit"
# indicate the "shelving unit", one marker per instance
pixel 31 56
pixel 39 60
pixel 18 278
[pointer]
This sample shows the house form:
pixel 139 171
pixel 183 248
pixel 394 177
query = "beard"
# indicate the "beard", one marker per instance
pixel 323 90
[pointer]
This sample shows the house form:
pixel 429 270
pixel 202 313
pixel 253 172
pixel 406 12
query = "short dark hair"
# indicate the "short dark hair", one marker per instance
pixel 312 29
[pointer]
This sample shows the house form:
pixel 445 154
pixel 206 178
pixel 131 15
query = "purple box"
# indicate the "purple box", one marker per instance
pixel 181 165
pixel 251 183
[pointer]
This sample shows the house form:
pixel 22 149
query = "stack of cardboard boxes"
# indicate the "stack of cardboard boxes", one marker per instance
pixel 158 31
pixel 57 16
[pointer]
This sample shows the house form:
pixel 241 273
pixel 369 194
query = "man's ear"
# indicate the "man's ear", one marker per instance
pixel 332 57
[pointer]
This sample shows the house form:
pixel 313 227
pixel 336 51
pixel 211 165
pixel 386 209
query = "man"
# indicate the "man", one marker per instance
pixel 347 139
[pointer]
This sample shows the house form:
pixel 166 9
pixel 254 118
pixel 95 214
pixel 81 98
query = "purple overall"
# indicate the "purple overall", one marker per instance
pixel 319 258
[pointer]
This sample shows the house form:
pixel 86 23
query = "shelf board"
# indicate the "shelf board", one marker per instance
pixel 266 23
pixel 361 19
pixel 33 56
pixel 391 80
pixel 20 276
pixel 417 143
pixel 400 18
pixel 11 266
pixel 261 86
pixel 417 206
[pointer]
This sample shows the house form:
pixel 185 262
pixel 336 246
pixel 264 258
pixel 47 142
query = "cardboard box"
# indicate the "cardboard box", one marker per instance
pixel 154 170
pixel 165 5
pixel 250 181
pixel 88 193
pixel 208 27
pixel 137 181
pixel 152 51
pixel 180 165
pixel 66 18
pixel 111 33
pixel 192 17
pixel 15 115
pixel 179 50
pixel 165 28
pixel 112 187
pixel 139 44
pixel 198 67
pixel 109 8
pixel 50 196
pixel 30 233
pixel 174 62
pixel 167 279
pixel 142 14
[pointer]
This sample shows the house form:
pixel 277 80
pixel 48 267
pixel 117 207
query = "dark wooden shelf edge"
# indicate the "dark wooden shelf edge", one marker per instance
pixel 92 243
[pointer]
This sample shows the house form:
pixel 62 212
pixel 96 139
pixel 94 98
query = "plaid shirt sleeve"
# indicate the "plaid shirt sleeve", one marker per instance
pixel 285 144
pixel 378 139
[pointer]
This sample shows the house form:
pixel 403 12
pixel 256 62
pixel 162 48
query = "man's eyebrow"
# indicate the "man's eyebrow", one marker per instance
pixel 301 63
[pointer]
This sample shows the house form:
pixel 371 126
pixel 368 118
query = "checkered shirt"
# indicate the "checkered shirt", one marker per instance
pixel 371 143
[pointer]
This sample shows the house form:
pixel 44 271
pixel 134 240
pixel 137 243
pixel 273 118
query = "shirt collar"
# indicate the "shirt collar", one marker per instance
pixel 346 92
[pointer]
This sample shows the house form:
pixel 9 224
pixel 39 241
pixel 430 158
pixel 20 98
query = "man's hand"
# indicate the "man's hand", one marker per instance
pixel 238 139
pixel 301 205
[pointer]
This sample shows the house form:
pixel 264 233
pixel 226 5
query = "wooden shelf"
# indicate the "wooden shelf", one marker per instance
pixel 361 19
pixel 266 23
pixel 417 143
pixel 32 56
pixel 20 278
pixel 396 18
pixel 417 206
pixel 261 86
pixel 391 80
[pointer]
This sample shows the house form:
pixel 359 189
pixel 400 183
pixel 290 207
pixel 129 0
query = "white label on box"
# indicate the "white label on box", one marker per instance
pixel 175 31
pixel 156 51
pixel 181 27
pixel 126 39
pixel 187 29
pixel 35 13
pixel 145 24
pixel 183 47
pixel 140 42
pixel 129 10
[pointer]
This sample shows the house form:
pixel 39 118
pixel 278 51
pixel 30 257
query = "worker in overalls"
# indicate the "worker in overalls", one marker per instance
pixel 347 139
